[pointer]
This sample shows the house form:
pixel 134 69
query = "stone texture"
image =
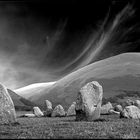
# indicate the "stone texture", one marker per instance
pixel 118 108
pixel 88 103
pixel 48 111
pixel 37 112
pixel 7 109
pixel 71 110
pixel 105 108
pixel 137 103
pixel 58 111
pixel 132 112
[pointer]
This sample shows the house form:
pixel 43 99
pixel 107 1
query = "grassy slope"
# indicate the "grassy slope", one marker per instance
pixel 114 74
pixel 121 72
pixel 20 102
pixel 109 126
pixel 34 90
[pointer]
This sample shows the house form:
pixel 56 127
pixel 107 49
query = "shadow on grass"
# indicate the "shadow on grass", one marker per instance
pixel 73 119
pixel 100 120
pixel 11 124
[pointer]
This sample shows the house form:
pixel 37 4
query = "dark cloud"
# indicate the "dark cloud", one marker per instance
pixel 43 41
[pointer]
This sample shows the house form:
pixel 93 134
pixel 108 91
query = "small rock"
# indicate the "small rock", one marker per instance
pixel 105 108
pixel 48 111
pixel 118 108
pixel 71 110
pixel 58 111
pixel 37 112
pixel 132 112
pixel 129 102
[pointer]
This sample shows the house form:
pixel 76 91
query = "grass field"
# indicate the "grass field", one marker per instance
pixel 108 126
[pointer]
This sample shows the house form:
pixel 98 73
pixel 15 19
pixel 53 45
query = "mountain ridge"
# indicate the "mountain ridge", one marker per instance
pixel 121 70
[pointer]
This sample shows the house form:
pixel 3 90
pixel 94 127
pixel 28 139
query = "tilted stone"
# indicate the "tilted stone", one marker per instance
pixel 71 110
pixel 49 109
pixel 48 104
pixel 88 103
pixel 37 112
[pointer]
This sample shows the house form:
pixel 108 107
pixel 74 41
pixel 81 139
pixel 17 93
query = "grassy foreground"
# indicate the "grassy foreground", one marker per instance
pixel 108 126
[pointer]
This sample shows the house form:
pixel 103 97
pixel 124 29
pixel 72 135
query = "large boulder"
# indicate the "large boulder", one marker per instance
pixel 88 103
pixel 137 103
pixel 132 112
pixel 7 109
pixel 71 110
pixel 118 108
pixel 48 111
pixel 37 111
pixel 105 108
pixel 58 111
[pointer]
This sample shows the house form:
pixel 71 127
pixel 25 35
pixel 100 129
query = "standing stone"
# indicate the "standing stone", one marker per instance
pixel 48 111
pixel 37 112
pixel 58 111
pixel 105 108
pixel 88 103
pixel 132 112
pixel 137 103
pixel 118 108
pixel 7 109
pixel 71 110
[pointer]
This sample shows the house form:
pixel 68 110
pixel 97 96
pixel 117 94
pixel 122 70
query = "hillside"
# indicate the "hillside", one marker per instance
pixel 121 72
pixel 34 90
pixel 20 102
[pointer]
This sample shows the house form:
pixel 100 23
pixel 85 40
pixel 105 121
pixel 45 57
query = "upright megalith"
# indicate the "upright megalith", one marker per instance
pixel 88 103
pixel 48 109
pixel 7 109
pixel 58 111
pixel 37 112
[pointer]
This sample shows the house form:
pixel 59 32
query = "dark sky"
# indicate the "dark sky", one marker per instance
pixel 44 40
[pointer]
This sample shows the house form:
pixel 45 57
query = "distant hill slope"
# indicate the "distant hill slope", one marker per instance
pixel 121 72
pixel 20 102
pixel 34 90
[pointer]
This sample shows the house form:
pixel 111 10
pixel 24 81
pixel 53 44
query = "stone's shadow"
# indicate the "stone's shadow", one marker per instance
pixel 11 124
pixel 100 120
pixel 15 123
pixel 73 119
